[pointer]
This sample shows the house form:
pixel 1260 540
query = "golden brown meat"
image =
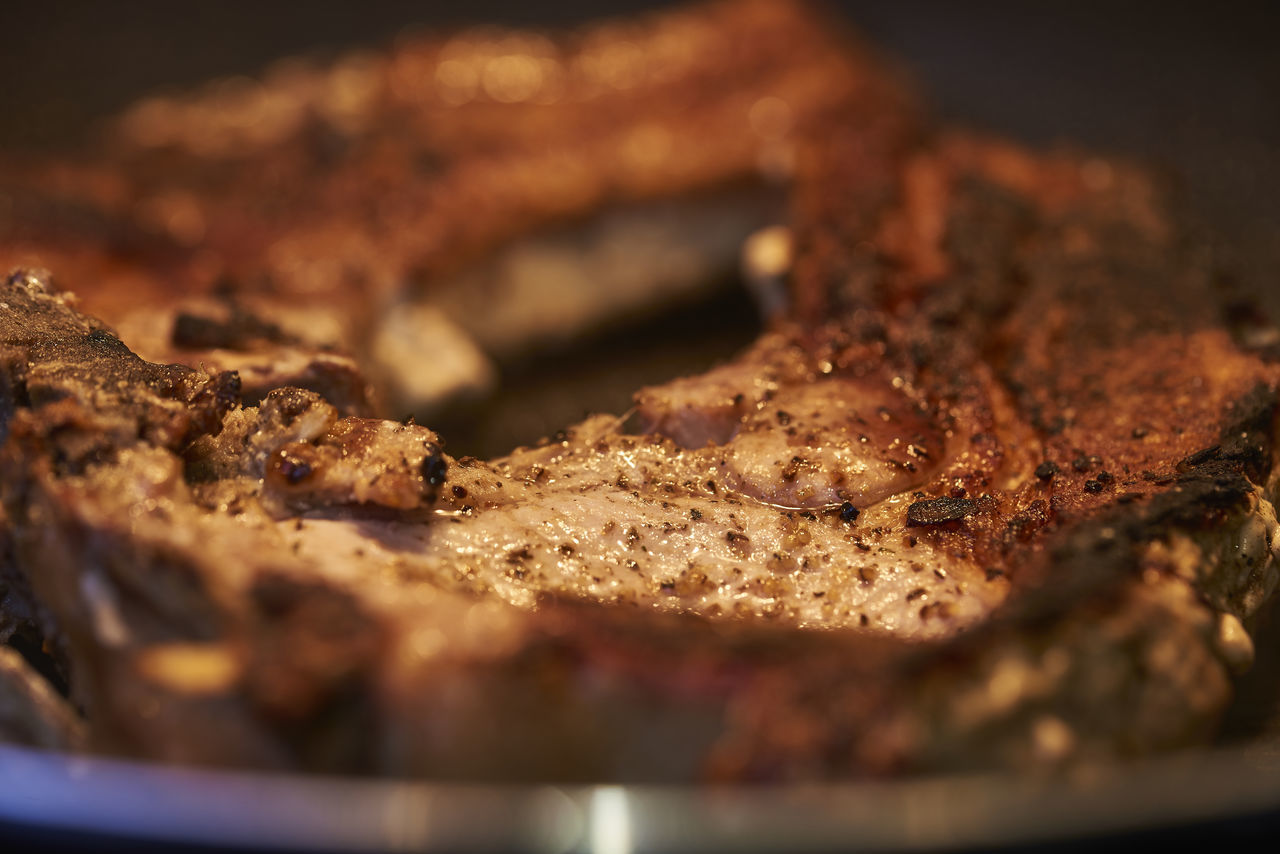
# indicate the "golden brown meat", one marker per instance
pixel 997 492
pixel 450 202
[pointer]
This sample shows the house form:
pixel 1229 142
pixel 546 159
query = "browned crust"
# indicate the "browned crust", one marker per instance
pixel 268 178
pixel 1049 311
pixel 763 703
pixel 347 186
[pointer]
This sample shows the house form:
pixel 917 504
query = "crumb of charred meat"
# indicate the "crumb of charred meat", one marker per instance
pixel 939 511
pixel 358 461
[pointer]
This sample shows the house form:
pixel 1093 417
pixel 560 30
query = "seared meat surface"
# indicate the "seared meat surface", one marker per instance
pixel 452 202
pixel 996 491
pixel 73 218
pixel 993 490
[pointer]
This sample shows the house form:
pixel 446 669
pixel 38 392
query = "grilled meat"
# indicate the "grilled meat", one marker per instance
pixel 457 201
pixel 996 491
pixel 74 219
pixel 186 235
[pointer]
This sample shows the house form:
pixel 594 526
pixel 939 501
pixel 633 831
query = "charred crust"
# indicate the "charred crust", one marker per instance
pixel 1035 517
pixel 1092 559
pixel 1248 440
pixel 241 330
pixel 1046 470
pixel 103 342
pixel 212 402
pixel 288 404
pixel 54 355
pixel 1199 458
pixel 1246 443
pixel 939 511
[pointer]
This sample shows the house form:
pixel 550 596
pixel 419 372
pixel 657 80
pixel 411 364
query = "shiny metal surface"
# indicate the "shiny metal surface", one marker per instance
pixel 229 809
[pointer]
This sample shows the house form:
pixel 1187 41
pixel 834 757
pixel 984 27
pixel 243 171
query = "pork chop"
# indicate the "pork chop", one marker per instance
pixel 995 492
pixel 456 200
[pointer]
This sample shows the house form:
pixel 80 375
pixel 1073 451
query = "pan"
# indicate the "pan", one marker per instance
pixel 1189 87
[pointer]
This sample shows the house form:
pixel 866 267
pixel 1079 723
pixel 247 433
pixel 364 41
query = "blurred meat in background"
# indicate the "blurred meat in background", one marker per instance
pixel 1186 86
